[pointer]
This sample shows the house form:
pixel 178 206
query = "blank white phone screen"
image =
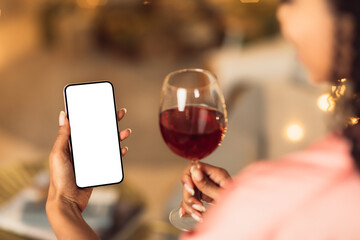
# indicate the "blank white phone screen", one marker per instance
pixel 94 134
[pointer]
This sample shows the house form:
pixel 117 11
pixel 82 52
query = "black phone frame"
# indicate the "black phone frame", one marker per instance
pixel 117 126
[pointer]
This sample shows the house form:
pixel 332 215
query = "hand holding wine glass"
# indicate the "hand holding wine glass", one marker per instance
pixel 208 180
pixel 193 120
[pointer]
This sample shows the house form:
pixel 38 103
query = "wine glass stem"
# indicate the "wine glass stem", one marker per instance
pixel 195 163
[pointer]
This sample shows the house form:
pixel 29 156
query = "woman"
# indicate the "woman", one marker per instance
pixel 311 194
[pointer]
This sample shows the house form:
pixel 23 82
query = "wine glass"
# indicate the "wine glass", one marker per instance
pixel 192 120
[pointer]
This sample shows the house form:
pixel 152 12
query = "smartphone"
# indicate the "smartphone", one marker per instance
pixel 94 136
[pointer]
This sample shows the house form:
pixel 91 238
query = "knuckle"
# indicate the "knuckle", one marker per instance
pixel 185 175
pixel 204 183
pixel 183 178
pixel 53 154
pixel 224 172
pixel 61 131
pixel 188 167
pixel 188 180
pixel 185 194
pixel 188 209
pixel 56 155
pixel 190 201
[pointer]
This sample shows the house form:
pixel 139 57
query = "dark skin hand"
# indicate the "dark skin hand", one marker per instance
pixel 201 181
pixel 66 201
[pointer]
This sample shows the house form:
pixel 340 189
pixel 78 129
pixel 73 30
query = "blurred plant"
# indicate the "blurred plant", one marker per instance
pixel 251 21
pixel 50 13
pixel 159 26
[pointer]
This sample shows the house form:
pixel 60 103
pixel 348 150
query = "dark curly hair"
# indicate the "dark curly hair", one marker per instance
pixel 346 72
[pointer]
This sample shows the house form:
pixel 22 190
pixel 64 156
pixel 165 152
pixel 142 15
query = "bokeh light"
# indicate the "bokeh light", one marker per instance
pixel 326 103
pixel 91 3
pixel 294 132
pixel 339 91
pixel 249 1
pixel 354 121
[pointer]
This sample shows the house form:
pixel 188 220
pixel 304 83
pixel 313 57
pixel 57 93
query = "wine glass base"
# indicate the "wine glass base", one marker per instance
pixel 186 223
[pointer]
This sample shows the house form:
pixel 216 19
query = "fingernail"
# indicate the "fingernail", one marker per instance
pixel 124 110
pixel 196 217
pixel 197 175
pixel 189 189
pixel 62 118
pixel 200 208
pixel 129 129
pixel 192 168
pixel 126 148
pixel 181 213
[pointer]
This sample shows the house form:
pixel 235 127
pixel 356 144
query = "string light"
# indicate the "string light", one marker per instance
pixel 343 80
pixel 354 121
pixel 326 103
pixel 338 90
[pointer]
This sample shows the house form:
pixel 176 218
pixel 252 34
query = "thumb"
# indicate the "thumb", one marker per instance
pixel 61 143
pixel 204 183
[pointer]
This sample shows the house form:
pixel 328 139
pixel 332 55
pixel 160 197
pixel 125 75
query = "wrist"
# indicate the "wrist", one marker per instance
pixel 66 220
pixel 60 207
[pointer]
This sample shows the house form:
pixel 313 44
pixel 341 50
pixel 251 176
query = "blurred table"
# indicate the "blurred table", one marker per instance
pixel 14 149
pixel 20 163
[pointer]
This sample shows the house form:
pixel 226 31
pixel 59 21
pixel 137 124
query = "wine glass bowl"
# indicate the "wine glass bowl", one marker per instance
pixel 192 113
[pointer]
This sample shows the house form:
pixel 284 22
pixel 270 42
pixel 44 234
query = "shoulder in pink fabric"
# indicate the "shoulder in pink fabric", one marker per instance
pixel 310 194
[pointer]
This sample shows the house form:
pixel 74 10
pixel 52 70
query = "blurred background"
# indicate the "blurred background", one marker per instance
pixel 46 44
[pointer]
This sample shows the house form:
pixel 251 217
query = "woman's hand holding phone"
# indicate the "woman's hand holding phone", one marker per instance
pixel 65 200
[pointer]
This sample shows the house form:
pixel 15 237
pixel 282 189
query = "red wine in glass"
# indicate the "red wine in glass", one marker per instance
pixel 193 133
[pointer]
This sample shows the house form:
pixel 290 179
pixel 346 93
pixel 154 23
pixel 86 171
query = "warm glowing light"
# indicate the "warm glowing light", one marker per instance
pixel 196 93
pixel 326 103
pixel 146 2
pixel 343 80
pixel 342 90
pixel 249 1
pixel 333 89
pixel 354 121
pixel 294 132
pixel 339 91
pixel 91 3
pixel 181 99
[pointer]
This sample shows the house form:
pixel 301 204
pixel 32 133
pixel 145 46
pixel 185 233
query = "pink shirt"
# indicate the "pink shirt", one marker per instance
pixel 311 194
